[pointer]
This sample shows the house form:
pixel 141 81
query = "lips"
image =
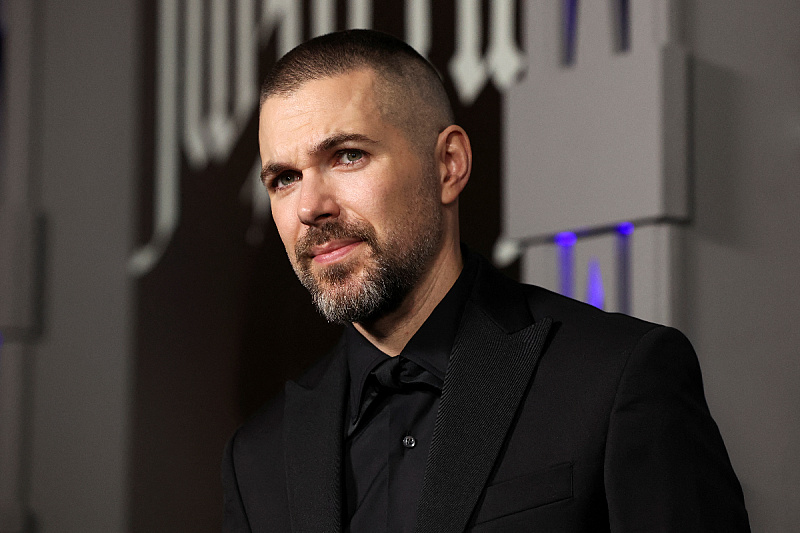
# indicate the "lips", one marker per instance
pixel 333 250
pixel 333 241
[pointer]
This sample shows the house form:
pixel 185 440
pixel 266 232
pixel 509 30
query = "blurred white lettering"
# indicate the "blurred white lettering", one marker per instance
pixel 218 78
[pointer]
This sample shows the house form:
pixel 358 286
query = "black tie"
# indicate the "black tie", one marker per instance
pixel 394 374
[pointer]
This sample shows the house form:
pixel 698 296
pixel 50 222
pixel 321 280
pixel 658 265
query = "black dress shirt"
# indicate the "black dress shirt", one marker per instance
pixel 386 446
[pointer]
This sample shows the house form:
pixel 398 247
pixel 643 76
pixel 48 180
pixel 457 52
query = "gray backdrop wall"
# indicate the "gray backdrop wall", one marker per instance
pixel 70 453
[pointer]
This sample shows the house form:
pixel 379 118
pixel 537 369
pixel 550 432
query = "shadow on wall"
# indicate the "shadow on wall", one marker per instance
pixel 716 119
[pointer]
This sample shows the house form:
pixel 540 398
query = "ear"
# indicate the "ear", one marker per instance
pixel 454 158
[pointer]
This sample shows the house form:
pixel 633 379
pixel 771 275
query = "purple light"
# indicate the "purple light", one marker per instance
pixel 569 16
pixel 595 294
pixel 565 239
pixel 625 228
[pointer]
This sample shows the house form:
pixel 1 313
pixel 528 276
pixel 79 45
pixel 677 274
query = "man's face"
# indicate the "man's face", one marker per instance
pixel 356 205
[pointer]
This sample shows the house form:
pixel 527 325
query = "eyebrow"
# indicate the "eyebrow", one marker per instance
pixel 335 140
pixel 325 145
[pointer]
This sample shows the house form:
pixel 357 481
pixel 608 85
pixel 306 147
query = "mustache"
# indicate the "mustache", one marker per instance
pixel 316 235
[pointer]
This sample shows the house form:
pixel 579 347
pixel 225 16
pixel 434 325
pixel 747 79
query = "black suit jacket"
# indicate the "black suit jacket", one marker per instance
pixel 554 416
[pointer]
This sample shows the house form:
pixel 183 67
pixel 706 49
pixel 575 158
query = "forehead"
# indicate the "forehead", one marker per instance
pixel 318 109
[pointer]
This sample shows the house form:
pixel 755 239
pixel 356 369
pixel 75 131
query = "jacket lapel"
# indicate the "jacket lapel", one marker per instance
pixel 313 447
pixel 493 360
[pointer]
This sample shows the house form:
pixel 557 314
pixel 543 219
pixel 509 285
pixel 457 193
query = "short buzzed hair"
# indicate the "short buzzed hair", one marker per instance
pixel 411 94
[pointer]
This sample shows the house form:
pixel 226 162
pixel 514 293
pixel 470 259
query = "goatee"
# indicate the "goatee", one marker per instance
pixel 371 285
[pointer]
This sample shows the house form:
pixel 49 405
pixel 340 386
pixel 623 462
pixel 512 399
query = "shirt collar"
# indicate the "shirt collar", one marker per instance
pixel 429 347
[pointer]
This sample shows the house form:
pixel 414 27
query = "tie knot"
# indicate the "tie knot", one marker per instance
pixel 392 375
pixel 399 372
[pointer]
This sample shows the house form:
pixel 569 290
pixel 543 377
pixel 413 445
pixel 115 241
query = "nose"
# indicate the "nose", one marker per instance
pixel 317 203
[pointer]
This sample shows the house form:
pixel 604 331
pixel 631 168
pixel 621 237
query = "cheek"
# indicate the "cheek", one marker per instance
pixel 383 197
pixel 287 226
pixel 401 200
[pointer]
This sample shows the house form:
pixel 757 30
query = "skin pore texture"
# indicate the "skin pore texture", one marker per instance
pixel 365 199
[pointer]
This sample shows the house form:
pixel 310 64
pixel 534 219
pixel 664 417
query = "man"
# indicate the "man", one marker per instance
pixel 457 400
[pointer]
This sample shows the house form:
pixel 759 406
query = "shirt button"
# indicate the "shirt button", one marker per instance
pixel 409 441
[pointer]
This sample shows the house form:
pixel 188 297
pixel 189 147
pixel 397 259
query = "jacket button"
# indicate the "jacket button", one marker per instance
pixel 409 441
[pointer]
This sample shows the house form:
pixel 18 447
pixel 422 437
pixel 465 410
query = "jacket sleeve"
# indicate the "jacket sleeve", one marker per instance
pixel 666 467
pixel 234 519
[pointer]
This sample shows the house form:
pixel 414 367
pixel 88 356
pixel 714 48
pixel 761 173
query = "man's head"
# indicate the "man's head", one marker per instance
pixel 410 92
pixel 363 170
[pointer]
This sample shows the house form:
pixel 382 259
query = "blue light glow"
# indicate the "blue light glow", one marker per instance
pixel 566 244
pixel 624 232
pixel 569 24
pixel 595 293
pixel 565 238
pixel 625 228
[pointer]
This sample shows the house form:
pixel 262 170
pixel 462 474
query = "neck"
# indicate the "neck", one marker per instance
pixel 391 332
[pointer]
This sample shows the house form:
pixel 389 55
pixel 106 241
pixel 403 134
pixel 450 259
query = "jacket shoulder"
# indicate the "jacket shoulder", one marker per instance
pixel 254 473
pixel 264 428
pixel 252 456
pixel 508 301
pixel 571 316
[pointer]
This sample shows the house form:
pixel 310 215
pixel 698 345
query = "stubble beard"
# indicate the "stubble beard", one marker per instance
pixel 377 282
